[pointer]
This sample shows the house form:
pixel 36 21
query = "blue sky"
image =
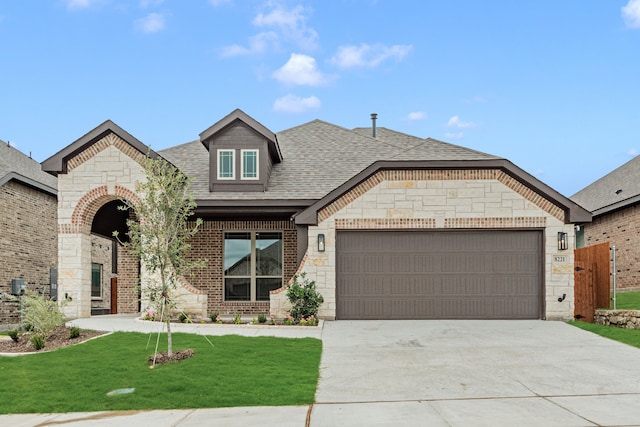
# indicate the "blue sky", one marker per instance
pixel 552 85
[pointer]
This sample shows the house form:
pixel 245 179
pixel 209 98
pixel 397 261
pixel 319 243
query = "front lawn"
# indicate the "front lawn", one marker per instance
pixel 235 371
pixel 627 336
pixel 627 301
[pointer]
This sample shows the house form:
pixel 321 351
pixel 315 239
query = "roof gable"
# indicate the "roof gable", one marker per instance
pixel 58 162
pixel 231 119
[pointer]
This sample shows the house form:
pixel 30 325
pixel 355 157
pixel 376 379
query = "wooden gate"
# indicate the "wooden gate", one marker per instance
pixel 591 280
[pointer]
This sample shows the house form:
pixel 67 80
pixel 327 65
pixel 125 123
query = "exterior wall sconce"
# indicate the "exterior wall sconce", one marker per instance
pixel 563 243
pixel 320 242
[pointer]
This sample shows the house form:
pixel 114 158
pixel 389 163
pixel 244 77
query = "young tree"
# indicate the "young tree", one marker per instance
pixel 160 235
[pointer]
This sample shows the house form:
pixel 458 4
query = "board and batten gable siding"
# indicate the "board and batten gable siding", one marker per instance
pixel 443 200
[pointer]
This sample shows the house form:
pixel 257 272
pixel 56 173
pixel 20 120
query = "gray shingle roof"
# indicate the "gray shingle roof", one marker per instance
pixel 615 190
pixel 15 165
pixel 317 158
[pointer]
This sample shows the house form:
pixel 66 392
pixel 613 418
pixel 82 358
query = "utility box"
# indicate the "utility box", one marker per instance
pixel 18 287
pixel 53 282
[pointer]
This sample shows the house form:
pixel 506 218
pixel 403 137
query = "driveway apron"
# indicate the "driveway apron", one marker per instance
pixel 453 372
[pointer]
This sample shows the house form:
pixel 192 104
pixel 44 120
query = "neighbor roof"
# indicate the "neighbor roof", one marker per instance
pixel 17 166
pixel 616 190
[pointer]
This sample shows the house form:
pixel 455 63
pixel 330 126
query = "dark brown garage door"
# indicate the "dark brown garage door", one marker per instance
pixel 439 274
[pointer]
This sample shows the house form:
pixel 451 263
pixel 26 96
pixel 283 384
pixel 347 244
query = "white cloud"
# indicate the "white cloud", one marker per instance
pixel 368 56
pixel 294 104
pixel 417 115
pixel 259 43
pixel 632 152
pixel 290 23
pixel 152 23
pixel 454 135
pixel 455 122
pixel 301 70
pixel 79 4
pixel 631 14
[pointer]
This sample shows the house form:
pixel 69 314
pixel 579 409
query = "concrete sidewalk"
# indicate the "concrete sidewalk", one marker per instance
pixel 424 373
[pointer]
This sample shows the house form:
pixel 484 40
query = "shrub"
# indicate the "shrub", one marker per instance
pixel 214 316
pixel 41 313
pixel 289 320
pixel 309 321
pixel 254 321
pixel 38 341
pixel 184 318
pixel 304 298
pixel 74 332
pixel 237 319
pixel 262 318
pixel 149 315
pixel 13 335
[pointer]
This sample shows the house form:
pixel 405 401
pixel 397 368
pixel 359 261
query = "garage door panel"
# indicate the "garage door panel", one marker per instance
pixel 438 274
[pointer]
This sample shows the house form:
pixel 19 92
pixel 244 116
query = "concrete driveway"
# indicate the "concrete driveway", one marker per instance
pixel 474 373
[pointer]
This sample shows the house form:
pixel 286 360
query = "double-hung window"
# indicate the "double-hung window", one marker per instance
pixel 226 164
pixel 249 164
pixel 252 265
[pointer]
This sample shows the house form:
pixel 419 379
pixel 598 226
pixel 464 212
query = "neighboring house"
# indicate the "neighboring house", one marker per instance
pixel 28 224
pixel 614 202
pixel 388 225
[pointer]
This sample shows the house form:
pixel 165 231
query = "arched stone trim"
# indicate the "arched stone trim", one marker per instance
pixel 89 204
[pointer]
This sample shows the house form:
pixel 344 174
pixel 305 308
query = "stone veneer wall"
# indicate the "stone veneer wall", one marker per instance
pixel 628 319
pixel 208 244
pixel 441 199
pixel 28 243
pixel 622 229
pixel 105 171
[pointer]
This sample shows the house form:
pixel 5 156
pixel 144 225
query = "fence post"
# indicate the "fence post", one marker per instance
pixel 613 253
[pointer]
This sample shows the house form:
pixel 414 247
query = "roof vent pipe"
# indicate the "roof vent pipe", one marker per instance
pixel 374 116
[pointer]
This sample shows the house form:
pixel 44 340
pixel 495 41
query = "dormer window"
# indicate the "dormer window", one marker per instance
pixel 249 164
pixel 226 163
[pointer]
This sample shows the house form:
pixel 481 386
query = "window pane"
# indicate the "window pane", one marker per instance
pixel 268 254
pixel 96 280
pixel 249 164
pixel 225 164
pixel 237 254
pixel 237 289
pixel 263 286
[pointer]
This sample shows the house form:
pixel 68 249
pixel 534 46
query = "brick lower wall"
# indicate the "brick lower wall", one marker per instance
pixel 622 229
pixel 128 270
pixel 208 243
pixel 28 242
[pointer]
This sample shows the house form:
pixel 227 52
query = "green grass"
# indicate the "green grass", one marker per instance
pixel 627 301
pixel 626 336
pixel 235 371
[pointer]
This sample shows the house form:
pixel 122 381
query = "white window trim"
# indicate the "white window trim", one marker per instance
pixel 257 165
pixel 233 164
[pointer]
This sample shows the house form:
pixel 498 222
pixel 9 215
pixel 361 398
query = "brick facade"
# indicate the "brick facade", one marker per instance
pixel 28 244
pixel 208 244
pixel 622 229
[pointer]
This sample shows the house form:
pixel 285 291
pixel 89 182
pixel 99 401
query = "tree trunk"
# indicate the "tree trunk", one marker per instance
pixel 169 340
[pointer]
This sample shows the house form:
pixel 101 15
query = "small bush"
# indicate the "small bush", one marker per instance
pixel 41 313
pixel 262 318
pixel 74 332
pixel 149 315
pixel 237 319
pixel 214 316
pixel 184 318
pixel 289 320
pixel 304 298
pixel 13 335
pixel 37 341
pixel 254 321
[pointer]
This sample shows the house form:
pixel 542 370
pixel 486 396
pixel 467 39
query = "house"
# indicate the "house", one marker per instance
pixel 388 225
pixel 614 202
pixel 28 224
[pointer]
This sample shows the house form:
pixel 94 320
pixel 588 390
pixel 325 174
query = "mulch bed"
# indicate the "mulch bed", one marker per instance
pixel 162 358
pixel 58 339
